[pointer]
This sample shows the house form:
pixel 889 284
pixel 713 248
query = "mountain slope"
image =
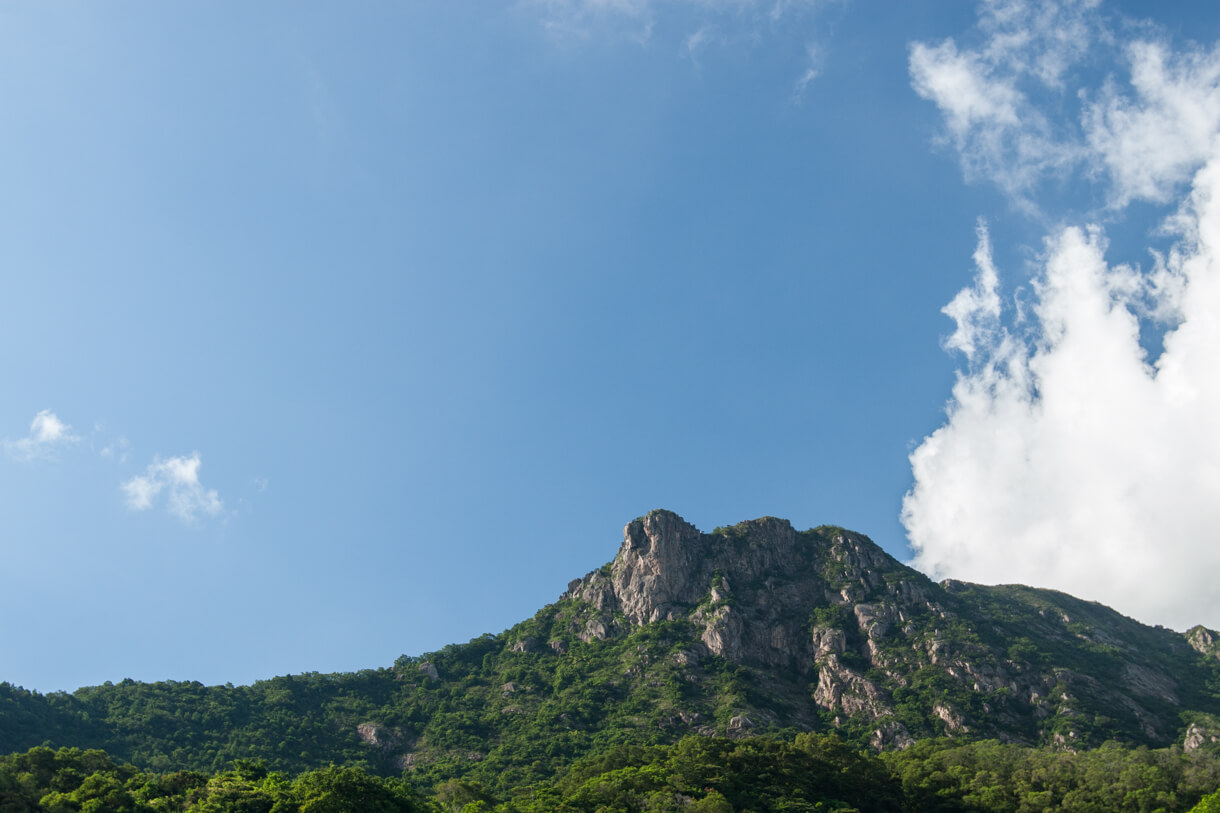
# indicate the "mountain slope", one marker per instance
pixel 748 629
pixel 880 646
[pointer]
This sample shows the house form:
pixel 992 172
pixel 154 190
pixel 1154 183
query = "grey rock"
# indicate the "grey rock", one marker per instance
pixel 376 736
pixel 1197 736
pixel 1204 641
pixel 739 726
pixel 525 645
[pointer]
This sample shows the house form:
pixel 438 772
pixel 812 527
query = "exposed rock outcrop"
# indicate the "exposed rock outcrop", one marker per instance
pixel 843 618
pixel 1199 734
pixel 377 736
pixel 1204 641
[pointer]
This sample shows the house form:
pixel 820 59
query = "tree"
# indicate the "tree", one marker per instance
pixel 349 789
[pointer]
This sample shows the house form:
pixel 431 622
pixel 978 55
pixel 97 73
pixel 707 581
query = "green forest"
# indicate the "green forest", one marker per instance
pixel 810 772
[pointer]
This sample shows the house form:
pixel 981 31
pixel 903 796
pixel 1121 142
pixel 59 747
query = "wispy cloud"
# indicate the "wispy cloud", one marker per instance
pixel 816 56
pixel 1003 100
pixel 1070 458
pixel 697 41
pixel 47 435
pixel 976 310
pixel 115 450
pixel 581 19
pixel 987 93
pixel 178 478
pixel 1151 140
pixel 693 27
pixel 691 21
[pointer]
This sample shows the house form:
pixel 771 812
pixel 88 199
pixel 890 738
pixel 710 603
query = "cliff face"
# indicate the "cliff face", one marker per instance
pixel 841 632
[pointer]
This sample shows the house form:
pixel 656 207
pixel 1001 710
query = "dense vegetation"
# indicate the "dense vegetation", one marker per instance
pixel 499 711
pixel 503 717
pixel 507 711
pixel 695 775
pixel 73 780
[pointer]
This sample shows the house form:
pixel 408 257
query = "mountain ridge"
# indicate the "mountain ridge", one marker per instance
pixel 751 629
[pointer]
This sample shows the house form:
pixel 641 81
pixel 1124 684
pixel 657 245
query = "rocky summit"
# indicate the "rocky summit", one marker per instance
pixel 752 629
pixel 836 632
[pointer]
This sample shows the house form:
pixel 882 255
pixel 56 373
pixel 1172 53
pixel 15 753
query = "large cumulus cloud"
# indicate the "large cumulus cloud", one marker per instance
pixel 1071 457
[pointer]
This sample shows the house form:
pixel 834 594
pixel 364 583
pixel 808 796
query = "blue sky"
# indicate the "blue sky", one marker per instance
pixel 331 336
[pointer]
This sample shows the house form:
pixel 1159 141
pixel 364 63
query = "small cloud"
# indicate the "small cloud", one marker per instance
pixel 48 428
pixel 186 497
pixel 47 433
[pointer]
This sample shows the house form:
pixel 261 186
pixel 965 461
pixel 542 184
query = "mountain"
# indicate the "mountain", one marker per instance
pixel 835 631
pixel 751 629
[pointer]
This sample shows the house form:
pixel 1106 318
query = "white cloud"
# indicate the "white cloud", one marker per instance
pixel 1041 39
pixel 47 433
pixel 1151 143
pixel 178 477
pixel 984 93
pixel 976 310
pixel 1003 101
pixel 1070 458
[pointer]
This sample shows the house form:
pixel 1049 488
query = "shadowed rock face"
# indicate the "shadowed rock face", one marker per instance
pixel 843 626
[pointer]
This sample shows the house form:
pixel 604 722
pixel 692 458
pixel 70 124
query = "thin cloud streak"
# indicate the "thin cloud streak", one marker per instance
pixel 638 20
pixel 816 54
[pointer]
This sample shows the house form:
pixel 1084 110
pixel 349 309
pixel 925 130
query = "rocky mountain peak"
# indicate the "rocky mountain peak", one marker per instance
pixel 750 586
pixel 666 567
pixel 827 616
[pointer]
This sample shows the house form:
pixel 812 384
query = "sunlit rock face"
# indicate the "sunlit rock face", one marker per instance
pixel 844 634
